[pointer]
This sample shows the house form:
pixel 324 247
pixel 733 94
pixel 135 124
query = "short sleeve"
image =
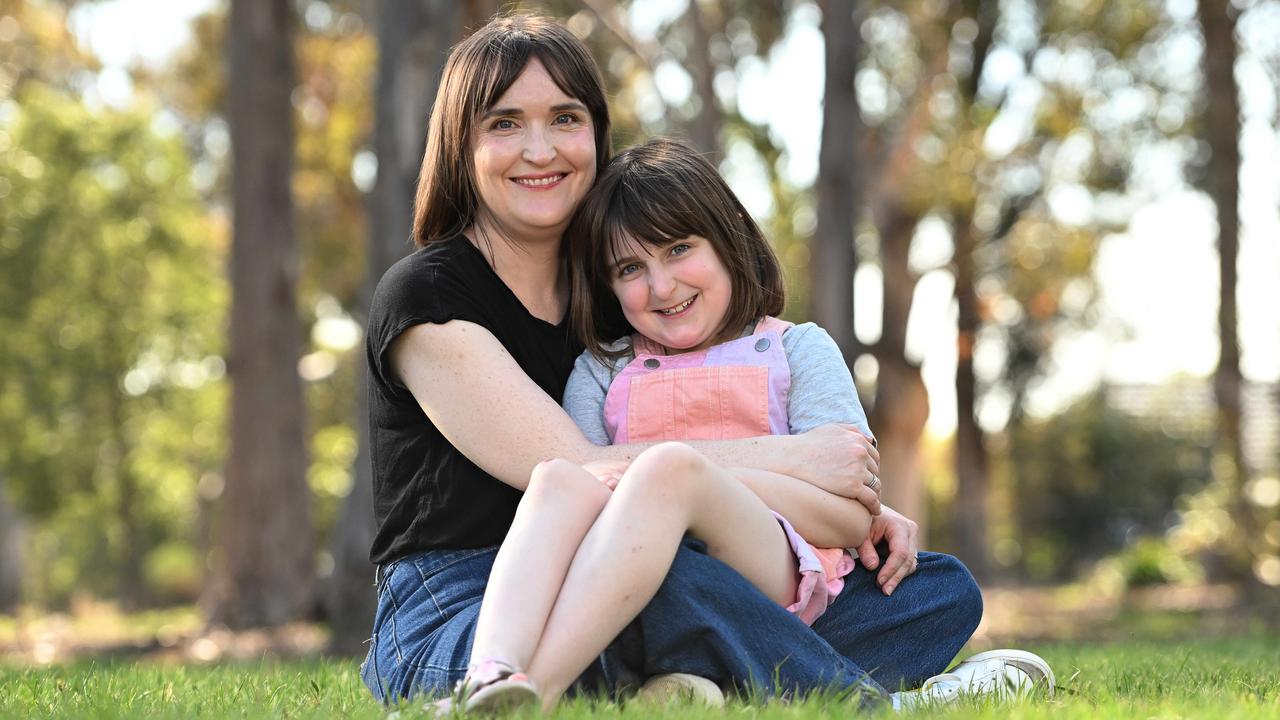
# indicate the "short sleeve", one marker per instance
pixel 584 397
pixel 822 390
pixel 412 292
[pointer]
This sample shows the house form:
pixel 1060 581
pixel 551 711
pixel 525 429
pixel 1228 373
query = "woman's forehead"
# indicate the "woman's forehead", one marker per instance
pixel 533 89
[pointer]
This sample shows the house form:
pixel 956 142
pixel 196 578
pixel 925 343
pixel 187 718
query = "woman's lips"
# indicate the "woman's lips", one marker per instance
pixel 540 182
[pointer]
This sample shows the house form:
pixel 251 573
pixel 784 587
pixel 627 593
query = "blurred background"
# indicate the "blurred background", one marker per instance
pixel 1045 234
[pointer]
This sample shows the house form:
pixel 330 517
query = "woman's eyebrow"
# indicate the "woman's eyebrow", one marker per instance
pixel 559 107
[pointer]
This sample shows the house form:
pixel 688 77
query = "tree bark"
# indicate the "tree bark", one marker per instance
pixel 833 260
pixel 12 539
pixel 1222 132
pixel 704 130
pixel 414 37
pixel 969 527
pixel 266 546
pixel 901 407
pixel 970 524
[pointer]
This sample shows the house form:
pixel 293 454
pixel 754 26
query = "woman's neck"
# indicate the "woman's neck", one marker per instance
pixel 533 269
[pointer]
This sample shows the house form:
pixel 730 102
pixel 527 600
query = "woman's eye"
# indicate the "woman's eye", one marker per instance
pixel 566 119
pixel 626 270
pixel 681 248
pixel 503 124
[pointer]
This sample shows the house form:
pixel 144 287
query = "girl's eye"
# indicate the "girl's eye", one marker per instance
pixel 626 270
pixel 566 119
pixel 680 248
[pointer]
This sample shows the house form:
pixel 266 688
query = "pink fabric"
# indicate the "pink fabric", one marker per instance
pixel 733 390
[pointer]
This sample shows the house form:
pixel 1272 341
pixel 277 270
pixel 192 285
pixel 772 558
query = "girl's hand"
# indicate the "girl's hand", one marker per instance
pixel 842 461
pixel 901 533
pixel 608 472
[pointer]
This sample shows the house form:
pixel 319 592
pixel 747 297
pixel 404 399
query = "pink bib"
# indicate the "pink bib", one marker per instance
pixel 737 389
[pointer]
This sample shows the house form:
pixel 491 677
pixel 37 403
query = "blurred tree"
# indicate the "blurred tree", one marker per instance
pixel 267 564
pixel 1091 480
pixel 1222 182
pixel 111 317
pixel 11 557
pixel 1255 557
pixel 833 261
pixel 414 37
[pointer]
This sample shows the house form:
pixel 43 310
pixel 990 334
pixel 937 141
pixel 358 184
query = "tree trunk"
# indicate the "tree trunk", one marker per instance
pixel 833 260
pixel 973 487
pixel 704 130
pixel 266 543
pixel 901 407
pixel 11 545
pixel 414 37
pixel 1222 132
pixel 969 534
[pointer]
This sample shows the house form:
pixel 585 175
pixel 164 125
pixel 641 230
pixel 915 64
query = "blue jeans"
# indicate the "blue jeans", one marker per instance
pixel 706 619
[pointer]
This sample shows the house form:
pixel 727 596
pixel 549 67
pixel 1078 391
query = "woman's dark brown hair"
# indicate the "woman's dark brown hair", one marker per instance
pixel 478 72
pixel 658 193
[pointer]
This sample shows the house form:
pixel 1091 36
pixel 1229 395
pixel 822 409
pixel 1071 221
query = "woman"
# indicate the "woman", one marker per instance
pixel 469 349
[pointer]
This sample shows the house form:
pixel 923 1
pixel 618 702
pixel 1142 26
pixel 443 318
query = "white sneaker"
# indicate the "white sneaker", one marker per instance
pixel 663 689
pixel 1006 674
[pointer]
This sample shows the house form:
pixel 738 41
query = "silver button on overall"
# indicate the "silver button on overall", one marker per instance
pixel 652 364
pixel 762 344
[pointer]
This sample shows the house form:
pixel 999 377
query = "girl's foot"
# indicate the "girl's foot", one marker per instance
pixel 491 687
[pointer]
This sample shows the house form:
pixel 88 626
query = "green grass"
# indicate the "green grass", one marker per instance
pixel 1218 679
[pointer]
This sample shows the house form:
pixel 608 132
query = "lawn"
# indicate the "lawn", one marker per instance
pixel 1219 679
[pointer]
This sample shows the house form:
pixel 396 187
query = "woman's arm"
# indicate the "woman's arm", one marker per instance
pixel 487 407
pixel 821 518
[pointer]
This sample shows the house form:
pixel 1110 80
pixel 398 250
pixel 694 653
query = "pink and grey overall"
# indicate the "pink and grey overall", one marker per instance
pixel 737 389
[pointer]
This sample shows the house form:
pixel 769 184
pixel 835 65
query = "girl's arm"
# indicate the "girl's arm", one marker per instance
pixel 823 519
pixel 487 407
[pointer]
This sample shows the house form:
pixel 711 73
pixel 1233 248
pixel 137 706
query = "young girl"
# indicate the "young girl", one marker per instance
pixel 662 238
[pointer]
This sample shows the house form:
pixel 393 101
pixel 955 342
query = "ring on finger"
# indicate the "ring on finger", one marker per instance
pixel 874 484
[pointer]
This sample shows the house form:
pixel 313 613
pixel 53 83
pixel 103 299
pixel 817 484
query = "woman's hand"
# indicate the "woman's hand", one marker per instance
pixel 842 461
pixel 902 535
pixel 608 472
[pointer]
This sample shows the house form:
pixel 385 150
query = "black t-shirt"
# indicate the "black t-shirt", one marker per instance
pixel 426 494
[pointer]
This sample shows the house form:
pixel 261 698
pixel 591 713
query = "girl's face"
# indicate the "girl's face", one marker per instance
pixel 676 295
pixel 534 156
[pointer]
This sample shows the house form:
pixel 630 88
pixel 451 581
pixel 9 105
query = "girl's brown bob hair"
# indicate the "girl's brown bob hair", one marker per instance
pixel 658 193
pixel 478 72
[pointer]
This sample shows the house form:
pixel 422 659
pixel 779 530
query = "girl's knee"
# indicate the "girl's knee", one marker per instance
pixel 560 481
pixel 670 459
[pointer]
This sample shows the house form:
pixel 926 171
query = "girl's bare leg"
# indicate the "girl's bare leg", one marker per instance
pixel 559 506
pixel 668 490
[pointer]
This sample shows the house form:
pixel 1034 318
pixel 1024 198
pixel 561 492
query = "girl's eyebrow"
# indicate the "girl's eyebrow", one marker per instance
pixel 559 107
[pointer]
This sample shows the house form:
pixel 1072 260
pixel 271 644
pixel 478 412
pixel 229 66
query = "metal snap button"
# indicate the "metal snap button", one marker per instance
pixel 652 364
pixel 762 344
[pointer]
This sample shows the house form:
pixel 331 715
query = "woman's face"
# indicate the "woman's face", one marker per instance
pixel 534 156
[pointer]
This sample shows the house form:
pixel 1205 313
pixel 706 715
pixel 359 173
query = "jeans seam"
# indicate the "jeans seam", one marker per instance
pixel 437 570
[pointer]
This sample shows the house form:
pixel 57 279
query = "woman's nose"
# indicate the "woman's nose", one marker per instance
pixel 538 148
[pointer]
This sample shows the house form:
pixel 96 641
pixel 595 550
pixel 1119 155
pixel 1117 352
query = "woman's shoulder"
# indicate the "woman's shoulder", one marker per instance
pixel 427 270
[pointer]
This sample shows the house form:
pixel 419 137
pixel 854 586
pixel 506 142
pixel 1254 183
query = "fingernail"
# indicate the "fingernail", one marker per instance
pixel 889 589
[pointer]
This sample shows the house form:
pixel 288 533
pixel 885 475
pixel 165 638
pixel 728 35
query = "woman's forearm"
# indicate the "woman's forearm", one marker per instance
pixel 823 519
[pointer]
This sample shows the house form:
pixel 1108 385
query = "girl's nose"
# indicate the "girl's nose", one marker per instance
pixel 661 284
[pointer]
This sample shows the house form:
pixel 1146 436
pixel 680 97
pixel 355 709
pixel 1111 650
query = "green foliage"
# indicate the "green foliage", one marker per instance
pixel 111 303
pixel 1093 480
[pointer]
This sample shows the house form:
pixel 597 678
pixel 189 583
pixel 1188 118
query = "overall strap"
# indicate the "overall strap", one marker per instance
pixel 769 322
